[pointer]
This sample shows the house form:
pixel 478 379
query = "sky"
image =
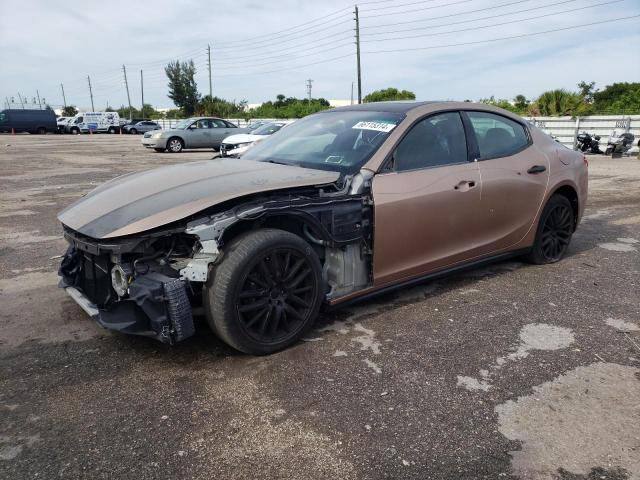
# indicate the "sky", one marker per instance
pixel 439 49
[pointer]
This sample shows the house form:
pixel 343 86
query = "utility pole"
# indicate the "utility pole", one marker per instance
pixel 351 93
pixel 21 102
pixel 309 82
pixel 93 109
pixel 126 84
pixel 39 103
pixel 358 55
pixel 64 99
pixel 209 66
pixel 142 93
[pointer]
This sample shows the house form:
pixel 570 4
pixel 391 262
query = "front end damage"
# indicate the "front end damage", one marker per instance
pixel 126 289
pixel 150 284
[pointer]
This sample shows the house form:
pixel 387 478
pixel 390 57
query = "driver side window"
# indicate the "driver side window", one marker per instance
pixel 436 141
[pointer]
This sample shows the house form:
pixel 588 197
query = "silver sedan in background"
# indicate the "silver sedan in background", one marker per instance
pixel 141 127
pixel 197 132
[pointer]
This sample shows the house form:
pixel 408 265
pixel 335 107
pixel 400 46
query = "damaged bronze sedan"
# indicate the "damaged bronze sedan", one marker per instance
pixel 340 205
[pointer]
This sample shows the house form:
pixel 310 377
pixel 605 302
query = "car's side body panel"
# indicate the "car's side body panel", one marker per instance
pixel 423 220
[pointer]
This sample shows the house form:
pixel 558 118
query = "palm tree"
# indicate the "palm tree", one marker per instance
pixel 559 102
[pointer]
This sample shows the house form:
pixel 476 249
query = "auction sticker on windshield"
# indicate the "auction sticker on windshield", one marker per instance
pixel 376 126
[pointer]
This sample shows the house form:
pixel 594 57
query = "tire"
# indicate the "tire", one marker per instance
pixel 159 150
pixel 75 131
pixel 265 293
pixel 41 131
pixel 133 131
pixel 554 231
pixel 175 145
pixel 111 130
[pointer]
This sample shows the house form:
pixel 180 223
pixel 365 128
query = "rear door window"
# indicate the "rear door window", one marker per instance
pixel 436 141
pixel 497 136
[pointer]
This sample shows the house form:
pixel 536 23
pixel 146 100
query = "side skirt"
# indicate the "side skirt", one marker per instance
pixel 370 293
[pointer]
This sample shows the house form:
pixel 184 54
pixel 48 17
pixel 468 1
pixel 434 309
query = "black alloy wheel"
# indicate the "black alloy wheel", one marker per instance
pixel 266 291
pixel 554 232
pixel 276 295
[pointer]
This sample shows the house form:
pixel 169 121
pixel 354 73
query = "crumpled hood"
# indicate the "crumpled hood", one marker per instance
pixel 143 201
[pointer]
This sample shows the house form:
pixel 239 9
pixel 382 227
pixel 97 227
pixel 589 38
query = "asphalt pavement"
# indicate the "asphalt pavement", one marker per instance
pixel 511 371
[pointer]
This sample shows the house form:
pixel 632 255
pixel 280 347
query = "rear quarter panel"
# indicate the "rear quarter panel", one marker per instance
pixel 567 168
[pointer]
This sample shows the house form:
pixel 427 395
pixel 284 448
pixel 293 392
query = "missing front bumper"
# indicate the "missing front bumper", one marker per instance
pixel 157 306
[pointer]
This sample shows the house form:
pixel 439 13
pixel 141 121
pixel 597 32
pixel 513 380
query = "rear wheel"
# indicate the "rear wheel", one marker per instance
pixel 112 130
pixel 75 130
pixel 41 131
pixel 266 292
pixel 554 232
pixel 133 131
pixel 175 145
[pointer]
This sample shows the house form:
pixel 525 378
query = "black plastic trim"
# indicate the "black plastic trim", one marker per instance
pixel 432 276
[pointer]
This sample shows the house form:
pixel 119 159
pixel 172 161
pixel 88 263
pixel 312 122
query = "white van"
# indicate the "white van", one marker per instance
pixel 96 122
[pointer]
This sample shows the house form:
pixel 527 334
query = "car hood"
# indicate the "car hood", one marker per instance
pixel 243 138
pixel 142 201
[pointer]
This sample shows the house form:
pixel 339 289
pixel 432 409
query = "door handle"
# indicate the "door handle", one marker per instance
pixel 465 185
pixel 537 169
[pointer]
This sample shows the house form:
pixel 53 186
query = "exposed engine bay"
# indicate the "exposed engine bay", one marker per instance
pixel 150 284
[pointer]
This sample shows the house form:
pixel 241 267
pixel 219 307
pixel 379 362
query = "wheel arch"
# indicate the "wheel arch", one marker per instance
pixel 571 193
pixel 184 144
pixel 299 223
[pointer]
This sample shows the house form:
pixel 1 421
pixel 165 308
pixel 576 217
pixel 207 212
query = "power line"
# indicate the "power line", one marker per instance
pixel 386 14
pixel 250 39
pixel 448 16
pixel 432 47
pixel 469 21
pixel 288 52
pixel 488 26
pixel 256 49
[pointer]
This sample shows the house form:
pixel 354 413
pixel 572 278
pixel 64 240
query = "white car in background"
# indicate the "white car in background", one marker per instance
pixel 235 145
pixel 61 122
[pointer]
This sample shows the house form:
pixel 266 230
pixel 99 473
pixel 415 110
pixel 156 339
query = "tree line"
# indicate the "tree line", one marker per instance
pixel 614 99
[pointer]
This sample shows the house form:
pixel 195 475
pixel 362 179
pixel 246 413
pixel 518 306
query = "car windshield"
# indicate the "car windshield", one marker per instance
pixel 340 141
pixel 182 124
pixel 267 129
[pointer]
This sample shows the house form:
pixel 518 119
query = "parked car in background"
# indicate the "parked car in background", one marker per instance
pixel 94 122
pixel 61 122
pixel 126 121
pixel 141 127
pixel 197 132
pixel 21 120
pixel 235 145
pixel 338 206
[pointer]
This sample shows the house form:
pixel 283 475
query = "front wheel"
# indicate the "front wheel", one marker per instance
pixel 266 292
pixel 133 131
pixel 41 131
pixel 554 232
pixel 175 145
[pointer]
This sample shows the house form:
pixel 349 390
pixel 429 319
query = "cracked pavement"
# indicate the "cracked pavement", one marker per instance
pixel 511 371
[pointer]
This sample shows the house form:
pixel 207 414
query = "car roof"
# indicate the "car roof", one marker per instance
pixel 391 107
